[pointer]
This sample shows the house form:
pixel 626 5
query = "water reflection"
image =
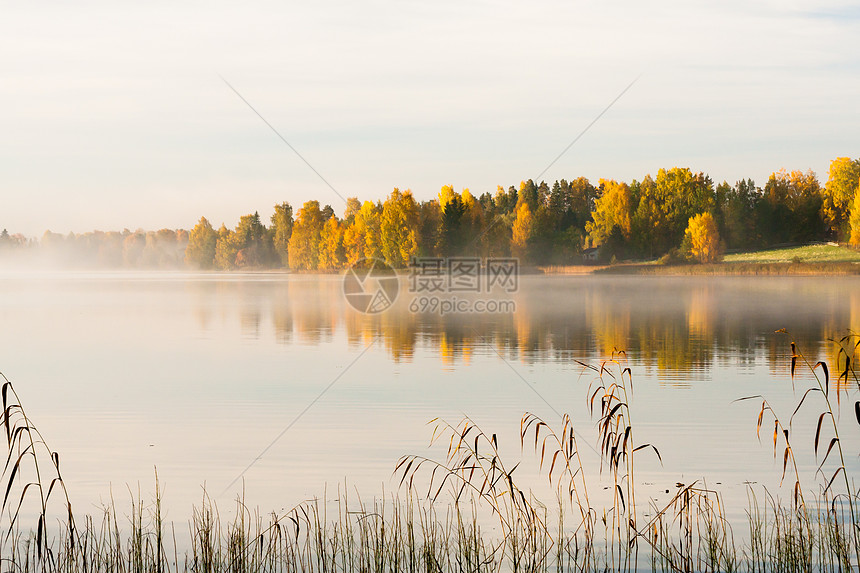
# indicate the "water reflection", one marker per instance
pixel 674 325
pixel 209 368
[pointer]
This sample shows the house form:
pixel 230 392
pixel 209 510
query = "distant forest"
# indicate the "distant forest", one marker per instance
pixel 677 215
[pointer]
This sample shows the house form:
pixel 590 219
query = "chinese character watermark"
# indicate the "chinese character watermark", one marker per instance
pixel 463 274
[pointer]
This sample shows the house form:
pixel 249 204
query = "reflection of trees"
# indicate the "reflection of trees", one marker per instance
pixel 316 305
pixel 398 336
pixel 840 325
pixel 609 321
pixel 674 325
pixel 282 317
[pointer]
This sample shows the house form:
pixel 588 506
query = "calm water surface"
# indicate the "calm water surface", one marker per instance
pixel 199 375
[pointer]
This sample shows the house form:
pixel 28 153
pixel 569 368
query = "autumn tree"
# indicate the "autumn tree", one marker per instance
pixel 362 239
pixel 332 253
pixel 398 226
pixel 371 218
pixel 282 229
pixel 854 220
pixel 612 209
pixel 446 194
pixel 666 205
pixel 353 239
pixel 304 246
pixel 225 249
pixel 353 206
pixel 522 230
pixel 200 252
pixel 703 238
pixel 353 231
pixel 839 192
pixel 529 193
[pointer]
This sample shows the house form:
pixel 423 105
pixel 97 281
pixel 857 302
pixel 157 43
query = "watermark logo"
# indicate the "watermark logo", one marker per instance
pixel 438 285
pixel 370 286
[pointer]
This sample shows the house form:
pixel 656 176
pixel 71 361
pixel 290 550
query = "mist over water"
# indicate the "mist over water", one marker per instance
pixel 197 374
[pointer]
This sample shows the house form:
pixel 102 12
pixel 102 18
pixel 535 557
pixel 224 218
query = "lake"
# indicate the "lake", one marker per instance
pixel 272 385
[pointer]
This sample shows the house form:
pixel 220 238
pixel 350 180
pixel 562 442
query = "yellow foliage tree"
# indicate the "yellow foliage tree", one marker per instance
pixel 331 245
pixel 200 252
pixel 445 195
pixel 362 238
pixel 704 238
pixel 522 230
pixel 372 216
pixel 612 209
pixel 225 249
pixel 839 192
pixel 304 245
pixel 353 237
pixel 854 219
pixel 397 227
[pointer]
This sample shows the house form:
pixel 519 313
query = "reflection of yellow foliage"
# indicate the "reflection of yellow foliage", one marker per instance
pixel 610 324
pixel 854 311
pixel 699 314
pixel 834 333
pixel 467 351
pixel 446 350
pixel 671 336
pixel 523 327
pixel 399 336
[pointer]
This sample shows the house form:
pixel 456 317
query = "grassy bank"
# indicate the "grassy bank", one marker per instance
pixel 820 253
pixel 807 260
pixel 734 269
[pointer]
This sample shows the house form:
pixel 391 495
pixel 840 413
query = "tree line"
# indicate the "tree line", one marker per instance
pixel 678 214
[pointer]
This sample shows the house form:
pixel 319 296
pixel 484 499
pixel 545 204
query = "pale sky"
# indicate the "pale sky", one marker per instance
pixel 114 114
